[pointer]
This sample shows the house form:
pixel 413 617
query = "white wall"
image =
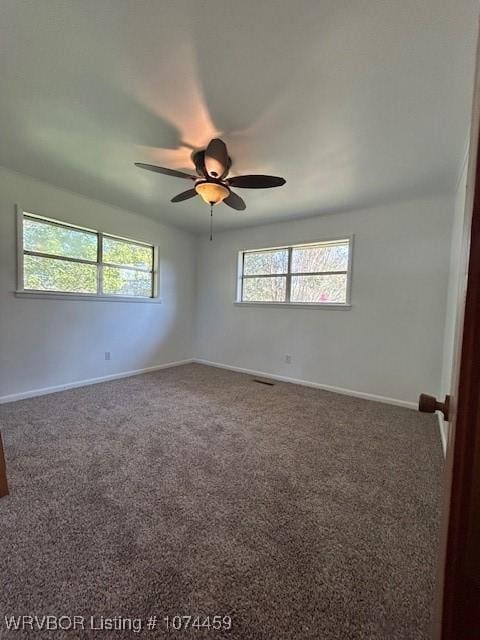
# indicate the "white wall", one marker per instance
pixel 389 343
pixel 46 343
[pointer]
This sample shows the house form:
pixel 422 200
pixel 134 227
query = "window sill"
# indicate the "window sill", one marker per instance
pixel 295 305
pixel 51 295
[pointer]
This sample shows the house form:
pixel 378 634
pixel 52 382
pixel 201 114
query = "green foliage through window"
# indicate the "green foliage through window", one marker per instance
pixel 49 274
pixel 58 257
pixel 44 237
pixel 127 254
pixel 126 282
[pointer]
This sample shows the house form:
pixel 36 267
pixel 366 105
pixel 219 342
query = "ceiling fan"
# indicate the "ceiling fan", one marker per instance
pixel 211 182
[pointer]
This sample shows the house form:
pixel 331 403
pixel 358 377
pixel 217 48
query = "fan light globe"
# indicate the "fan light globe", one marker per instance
pixel 212 192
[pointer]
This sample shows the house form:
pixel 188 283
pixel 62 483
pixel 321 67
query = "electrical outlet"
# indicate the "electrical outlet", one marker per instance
pixel 288 358
pixel 107 355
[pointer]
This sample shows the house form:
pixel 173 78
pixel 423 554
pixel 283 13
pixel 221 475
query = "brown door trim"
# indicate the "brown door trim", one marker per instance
pixel 3 472
pixel 461 579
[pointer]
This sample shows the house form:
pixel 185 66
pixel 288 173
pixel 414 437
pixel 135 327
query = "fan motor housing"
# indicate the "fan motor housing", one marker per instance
pixel 198 158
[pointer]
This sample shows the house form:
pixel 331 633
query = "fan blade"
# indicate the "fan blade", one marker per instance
pixel 199 161
pixel 216 158
pixel 165 171
pixel 256 182
pixel 235 202
pixel 185 195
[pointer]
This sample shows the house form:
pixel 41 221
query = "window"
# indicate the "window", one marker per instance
pixel 61 258
pixel 316 273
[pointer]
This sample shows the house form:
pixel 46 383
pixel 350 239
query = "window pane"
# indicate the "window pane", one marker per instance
pixel 264 289
pixel 329 257
pixel 257 263
pixel 59 241
pixel 126 253
pixel 331 288
pixel 49 274
pixel 126 282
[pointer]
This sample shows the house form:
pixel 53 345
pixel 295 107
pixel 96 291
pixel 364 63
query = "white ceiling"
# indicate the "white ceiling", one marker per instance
pixel 353 102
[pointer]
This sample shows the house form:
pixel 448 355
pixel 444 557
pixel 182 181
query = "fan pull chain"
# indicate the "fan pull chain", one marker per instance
pixel 211 221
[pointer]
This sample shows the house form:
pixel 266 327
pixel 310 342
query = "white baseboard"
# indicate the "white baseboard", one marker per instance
pixel 443 426
pixel 83 383
pixel 126 374
pixel 315 385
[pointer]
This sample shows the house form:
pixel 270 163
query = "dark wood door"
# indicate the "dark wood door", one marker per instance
pixel 459 565
pixel 3 472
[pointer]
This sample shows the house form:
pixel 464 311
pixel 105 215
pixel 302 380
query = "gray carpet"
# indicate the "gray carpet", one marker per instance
pixel 299 513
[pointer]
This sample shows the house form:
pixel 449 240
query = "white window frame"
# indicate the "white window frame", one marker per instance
pixel 288 275
pixel 21 214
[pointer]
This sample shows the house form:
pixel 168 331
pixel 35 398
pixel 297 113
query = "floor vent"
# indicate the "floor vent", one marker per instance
pixel 267 382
